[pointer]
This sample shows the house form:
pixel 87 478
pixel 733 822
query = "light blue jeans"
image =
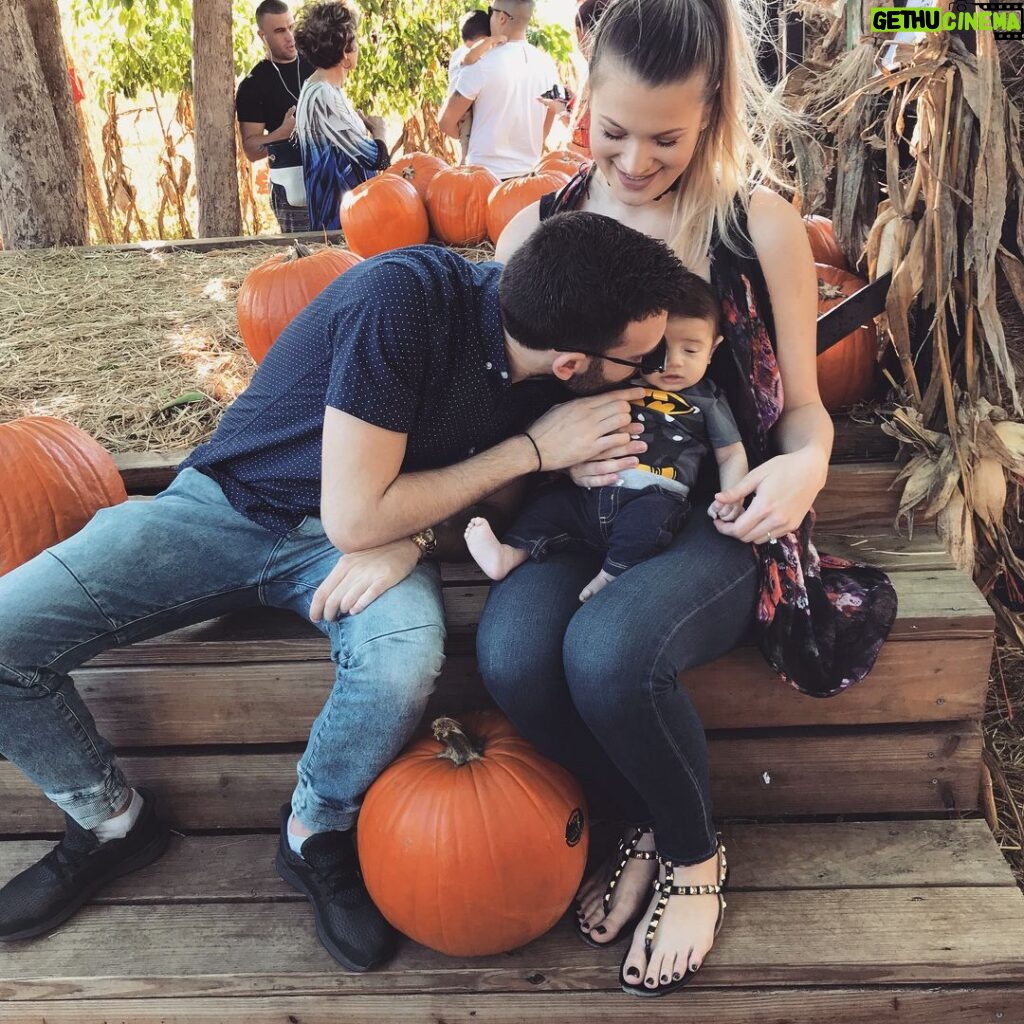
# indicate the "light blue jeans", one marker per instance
pixel 146 567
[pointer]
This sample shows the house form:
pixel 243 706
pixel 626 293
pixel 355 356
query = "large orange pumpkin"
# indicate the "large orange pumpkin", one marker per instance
pixel 561 160
pixel 511 196
pixel 846 371
pixel 383 213
pixel 418 169
pixel 457 203
pixel 53 478
pixel 472 843
pixel 824 247
pixel 275 291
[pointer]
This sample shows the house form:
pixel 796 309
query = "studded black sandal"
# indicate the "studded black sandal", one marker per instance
pixel 665 891
pixel 627 852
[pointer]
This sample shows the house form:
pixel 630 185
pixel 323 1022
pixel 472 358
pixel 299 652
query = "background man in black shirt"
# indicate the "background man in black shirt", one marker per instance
pixel 265 105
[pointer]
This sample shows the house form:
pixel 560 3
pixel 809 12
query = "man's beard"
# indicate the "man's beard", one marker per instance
pixel 591 380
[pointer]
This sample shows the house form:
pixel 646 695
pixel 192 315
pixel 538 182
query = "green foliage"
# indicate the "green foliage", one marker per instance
pixel 403 60
pixel 147 44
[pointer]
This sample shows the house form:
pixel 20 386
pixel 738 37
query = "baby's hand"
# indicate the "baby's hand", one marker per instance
pixel 726 512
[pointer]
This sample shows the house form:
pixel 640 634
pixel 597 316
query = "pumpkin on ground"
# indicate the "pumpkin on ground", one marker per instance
pixel 275 291
pixel 846 371
pixel 561 160
pixel 53 478
pixel 472 843
pixel 383 213
pixel 824 247
pixel 511 196
pixel 457 203
pixel 418 169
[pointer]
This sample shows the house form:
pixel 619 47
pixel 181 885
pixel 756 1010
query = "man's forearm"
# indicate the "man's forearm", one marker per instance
pixel 414 501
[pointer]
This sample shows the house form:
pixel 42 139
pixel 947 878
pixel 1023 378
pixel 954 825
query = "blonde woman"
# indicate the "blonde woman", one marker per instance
pixel 676 104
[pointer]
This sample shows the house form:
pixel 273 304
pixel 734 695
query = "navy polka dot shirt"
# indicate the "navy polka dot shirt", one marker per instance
pixel 411 341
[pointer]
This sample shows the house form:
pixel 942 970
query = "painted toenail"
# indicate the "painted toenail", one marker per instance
pixel 694 968
pixel 664 978
pixel 676 976
pixel 600 929
pixel 632 973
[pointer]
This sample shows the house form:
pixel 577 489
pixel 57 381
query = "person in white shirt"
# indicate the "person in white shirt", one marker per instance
pixel 476 41
pixel 503 87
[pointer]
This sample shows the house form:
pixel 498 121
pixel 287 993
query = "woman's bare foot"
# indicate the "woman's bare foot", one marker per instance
pixel 599 582
pixel 685 933
pixel 629 896
pixel 496 559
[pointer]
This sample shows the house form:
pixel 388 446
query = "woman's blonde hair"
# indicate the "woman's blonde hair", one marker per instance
pixel 663 42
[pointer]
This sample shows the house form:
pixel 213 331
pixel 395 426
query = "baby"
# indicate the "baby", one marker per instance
pixel 681 418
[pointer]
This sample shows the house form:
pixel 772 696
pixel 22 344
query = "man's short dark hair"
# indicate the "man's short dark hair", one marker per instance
pixel 475 25
pixel 270 7
pixel 326 32
pixel 581 278
pixel 696 299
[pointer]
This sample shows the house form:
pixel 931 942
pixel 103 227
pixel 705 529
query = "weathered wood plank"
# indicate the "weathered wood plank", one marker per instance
pixel 833 937
pixel 276 702
pixel 846 855
pixel 912 769
pixel 860 1005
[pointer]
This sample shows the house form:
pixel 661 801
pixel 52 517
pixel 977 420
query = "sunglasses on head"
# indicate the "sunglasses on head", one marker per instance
pixel 497 10
pixel 649 362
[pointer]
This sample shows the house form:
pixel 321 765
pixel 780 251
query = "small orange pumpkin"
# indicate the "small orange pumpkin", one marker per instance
pixel 472 843
pixel 418 169
pixel 279 288
pixel 846 371
pixel 383 213
pixel 53 478
pixel 511 196
pixel 824 246
pixel 561 160
pixel 457 203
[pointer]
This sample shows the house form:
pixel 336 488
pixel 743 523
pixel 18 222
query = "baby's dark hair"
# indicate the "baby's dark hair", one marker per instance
pixel 475 25
pixel 696 299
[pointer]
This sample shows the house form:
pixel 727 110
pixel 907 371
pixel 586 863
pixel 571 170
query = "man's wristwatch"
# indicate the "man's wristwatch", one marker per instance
pixel 425 541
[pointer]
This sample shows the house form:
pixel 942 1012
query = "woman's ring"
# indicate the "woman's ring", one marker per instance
pixel 771 539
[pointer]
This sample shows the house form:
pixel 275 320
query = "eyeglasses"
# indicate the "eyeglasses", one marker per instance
pixel 650 362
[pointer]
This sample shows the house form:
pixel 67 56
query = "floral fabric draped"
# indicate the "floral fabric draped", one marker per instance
pixel 821 620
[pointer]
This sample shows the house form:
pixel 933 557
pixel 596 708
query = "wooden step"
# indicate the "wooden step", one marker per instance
pixel 893 921
pixel 925 769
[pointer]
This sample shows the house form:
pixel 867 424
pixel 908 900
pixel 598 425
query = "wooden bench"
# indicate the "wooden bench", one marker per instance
pixel 907 914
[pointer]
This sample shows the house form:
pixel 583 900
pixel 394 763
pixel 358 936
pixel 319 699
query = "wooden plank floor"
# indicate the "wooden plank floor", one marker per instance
pixel 826 922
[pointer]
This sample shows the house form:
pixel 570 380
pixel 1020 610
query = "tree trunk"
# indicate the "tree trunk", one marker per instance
pixel 213 76
pixel 42 187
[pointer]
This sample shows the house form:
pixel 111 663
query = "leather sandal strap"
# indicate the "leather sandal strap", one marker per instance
pixel 627 851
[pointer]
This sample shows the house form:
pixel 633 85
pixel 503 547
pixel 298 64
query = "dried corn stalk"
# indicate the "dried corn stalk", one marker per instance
pixel 951 232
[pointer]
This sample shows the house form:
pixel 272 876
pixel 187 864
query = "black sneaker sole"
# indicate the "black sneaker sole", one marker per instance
pixel 154 850
pixel 296 881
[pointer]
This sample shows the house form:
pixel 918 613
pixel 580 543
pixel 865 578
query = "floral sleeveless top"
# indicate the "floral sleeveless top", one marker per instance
pixel 821 620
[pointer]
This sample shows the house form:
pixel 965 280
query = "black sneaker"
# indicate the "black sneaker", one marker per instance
pixel 348 924
pixel 46 894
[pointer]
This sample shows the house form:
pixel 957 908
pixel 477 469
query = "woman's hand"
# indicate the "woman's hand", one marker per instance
pixel 360 577
pixel 784 489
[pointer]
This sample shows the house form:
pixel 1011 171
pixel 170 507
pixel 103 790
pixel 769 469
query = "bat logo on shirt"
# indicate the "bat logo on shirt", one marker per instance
pixel 666 402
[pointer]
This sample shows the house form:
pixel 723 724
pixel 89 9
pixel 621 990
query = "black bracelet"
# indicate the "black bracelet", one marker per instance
pixel 540 461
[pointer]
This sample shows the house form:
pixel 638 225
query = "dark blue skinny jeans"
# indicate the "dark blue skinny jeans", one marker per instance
pixel 596 686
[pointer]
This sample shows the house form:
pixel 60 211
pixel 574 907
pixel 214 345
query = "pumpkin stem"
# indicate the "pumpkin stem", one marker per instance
pixel 298 250
pixel 458 746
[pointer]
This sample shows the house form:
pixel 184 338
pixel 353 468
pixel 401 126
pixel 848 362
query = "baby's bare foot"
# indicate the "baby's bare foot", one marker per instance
pixel 628 897
pixel 599 582
pixel 496 559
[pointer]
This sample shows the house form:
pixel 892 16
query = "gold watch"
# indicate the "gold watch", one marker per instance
pixel 425 541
